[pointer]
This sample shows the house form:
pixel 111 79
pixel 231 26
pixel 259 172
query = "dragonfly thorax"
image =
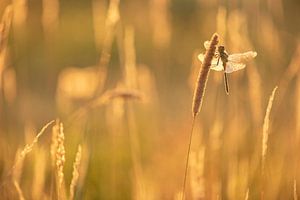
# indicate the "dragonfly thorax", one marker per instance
pixel 223 54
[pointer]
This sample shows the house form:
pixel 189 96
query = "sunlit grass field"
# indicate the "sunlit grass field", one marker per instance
pixel 98 100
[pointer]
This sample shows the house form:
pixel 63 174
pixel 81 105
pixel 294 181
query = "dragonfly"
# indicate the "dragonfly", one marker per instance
pixel 222 61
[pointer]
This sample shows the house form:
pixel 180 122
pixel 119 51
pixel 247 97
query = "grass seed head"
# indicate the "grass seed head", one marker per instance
pixel 60 155
pixel 203 75
pixel 266 127
pixel 75 174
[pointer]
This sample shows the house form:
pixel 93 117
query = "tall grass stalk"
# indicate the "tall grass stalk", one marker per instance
pixel 39 179
pixel 266 128
pixel 198 96
pixel 247 194
pixel 197 173
pixel 75 173
pixel 18 165
pixel 265 138
pixel 127 45
pixel 60 161
pixel 19 190
pixel 113 16
pixel 28 147
pixel 5 26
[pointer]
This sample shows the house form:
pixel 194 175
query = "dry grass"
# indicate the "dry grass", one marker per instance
pixel 40 170
pixel 198 96
pixel 265 139
pixel 5 26
pixel 28 147
pixel 19 191
pixel 116 75
pixel 197 174
pixel 60 160
pixel 75 174
pixel 266 128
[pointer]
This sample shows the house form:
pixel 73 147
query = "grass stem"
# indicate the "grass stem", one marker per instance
pixel 187 158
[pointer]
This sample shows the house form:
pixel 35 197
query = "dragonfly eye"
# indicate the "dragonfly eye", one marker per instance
pixel 221 48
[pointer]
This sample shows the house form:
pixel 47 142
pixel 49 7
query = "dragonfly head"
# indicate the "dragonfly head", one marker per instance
pixel 221 49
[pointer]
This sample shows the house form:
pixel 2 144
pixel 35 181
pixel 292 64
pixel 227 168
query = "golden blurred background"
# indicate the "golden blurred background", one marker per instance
pixel 120 75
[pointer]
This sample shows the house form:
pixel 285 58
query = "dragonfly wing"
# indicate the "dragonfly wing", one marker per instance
pixel 238 61
pixel 206 44
pixel 201 57
pixel 217 66
pixel 214 62
pixel 232 66
pixel 242 57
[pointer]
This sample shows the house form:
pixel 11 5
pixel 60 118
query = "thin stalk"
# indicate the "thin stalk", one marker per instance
pixel 135 150
pixel 187 158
